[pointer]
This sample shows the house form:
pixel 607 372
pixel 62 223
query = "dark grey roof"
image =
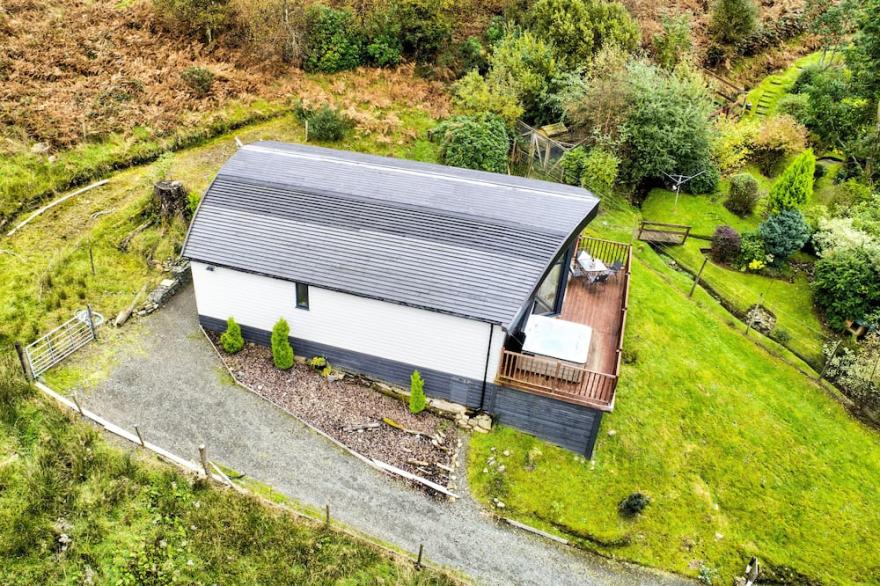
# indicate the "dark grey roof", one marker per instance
pixel 454 240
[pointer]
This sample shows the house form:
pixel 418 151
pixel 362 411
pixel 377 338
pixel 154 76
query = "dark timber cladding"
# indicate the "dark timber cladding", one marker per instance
pixel 571 426
pixel 458 241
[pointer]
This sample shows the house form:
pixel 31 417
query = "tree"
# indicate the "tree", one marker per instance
pixel 200 18
pixel 733 20
pixel 580 28
pixel 600 171
pixel 424 31
pixel 282 352
pixel 795 186
pixel 833 112
pixel 774 139
pixel 417 399
pixel 472 95
pixel 673 44
pixel 474 142
pixel 784 234
pixel 335 42
pixel 667 127
pixel 523 66
pixel 863 56
pixel 845 283
pixel 231 339
pixel 744 194
pixel 832 21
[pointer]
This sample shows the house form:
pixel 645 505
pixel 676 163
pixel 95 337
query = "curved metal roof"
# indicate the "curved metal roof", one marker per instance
pixel 459 241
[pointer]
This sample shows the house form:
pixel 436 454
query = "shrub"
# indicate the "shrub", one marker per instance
pixel 673 44
pixel 795 186
pixel 231 339
pixel 845 283
pixel 334 41
pixel 199 80
pixel 572 165
pixel 424 30
pixel 599 172
pixel 203 19
pixel 282 352
pixel 781 336
pixel 853 369
pixel 474 142
pixel 633 504
pixel 744 194
pixel 384 48
pixel 417 399
pixel 752 256
pixel 472 96
pixel 325 123
pixel 580 28
pixel 795 105
pixel 726 244
pixel 784 234
pixel 732 146
pixel 193 199
pixel 472 55
pixel 320 365
pixel 835 233
pixel 733 20
pixel 776 138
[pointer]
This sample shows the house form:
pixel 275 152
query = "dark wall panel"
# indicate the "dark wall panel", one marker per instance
pixel 571 426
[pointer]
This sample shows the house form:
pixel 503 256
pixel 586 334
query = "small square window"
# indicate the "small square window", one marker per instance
pixel 302 296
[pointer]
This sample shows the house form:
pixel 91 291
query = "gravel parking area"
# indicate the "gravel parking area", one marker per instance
pixel 352 413
pixel 174 386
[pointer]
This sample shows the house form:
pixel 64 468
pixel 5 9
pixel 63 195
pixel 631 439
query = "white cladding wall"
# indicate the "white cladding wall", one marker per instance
pixel 423 338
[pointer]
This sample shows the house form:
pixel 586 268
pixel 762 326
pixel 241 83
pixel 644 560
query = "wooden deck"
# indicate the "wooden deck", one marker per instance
pixel 602 306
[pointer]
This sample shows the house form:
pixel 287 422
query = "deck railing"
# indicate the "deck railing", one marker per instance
pixel 557 379
pixel 568 382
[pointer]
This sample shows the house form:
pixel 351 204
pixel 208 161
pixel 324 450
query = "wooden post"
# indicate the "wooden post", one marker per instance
pixel 697 278
pixel 827 362
pixel 327 514
pixel 91 322
pixel 91 257
pixel 307 131
pixel 23 361
pixel 79 408
pixel 137 430
pixel 203 456
pixel 421 554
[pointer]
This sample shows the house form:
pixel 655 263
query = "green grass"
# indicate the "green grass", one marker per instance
pixel 128 519
pixel 739 452
pixel 765 96
pixel 791 302
pixel 45 266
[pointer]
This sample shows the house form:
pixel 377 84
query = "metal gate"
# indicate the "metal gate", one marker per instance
pixel 50 349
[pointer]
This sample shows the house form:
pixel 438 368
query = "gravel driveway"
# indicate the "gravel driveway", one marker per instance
pixel 177 393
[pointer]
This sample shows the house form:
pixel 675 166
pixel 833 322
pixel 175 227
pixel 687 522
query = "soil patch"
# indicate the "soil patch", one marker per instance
pixel 352 413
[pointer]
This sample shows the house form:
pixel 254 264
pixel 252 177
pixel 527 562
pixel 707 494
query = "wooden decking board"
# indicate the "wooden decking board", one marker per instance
pixel 597 305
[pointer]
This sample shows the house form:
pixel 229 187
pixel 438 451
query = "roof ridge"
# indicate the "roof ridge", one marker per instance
pixel 425 173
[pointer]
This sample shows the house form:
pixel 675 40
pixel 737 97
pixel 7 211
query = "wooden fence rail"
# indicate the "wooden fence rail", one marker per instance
pixel 663 233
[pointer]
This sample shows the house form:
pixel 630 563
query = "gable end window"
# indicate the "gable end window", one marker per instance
pixel 302 296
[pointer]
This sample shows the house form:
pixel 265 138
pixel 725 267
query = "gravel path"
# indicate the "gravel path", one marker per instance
pixel 176 390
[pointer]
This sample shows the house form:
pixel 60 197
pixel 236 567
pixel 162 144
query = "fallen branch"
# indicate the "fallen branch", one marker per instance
pixel 361 427
pixel 123 244
pixel 419 463
pixel 123 315
pixel 390 422
pixel 55 203
pixel 100 213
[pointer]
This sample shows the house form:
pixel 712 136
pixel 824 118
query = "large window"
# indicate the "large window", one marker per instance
pixel 547 299
pixel 302 296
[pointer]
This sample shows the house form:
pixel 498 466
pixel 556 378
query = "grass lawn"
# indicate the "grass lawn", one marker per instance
pixel 75 509
pixel 46 267
pixel 790 302
pixel 740 454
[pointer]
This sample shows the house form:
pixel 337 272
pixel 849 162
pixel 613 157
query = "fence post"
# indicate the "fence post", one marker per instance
pixel 79 408
pixel 23 361
pixel 91 322
pixel 327 514
pixel 91 257
pixel 828 361
pixel 697 278
pixel 203 456
pixel 137 430
pixel 421 553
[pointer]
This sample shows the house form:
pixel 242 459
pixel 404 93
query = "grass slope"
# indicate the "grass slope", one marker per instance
pixel 791 302
pixel 46 268
pixel 74 509
pixel 740 454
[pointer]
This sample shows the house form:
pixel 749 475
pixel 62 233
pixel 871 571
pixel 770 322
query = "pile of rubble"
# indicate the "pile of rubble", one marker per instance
pixel 180 276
